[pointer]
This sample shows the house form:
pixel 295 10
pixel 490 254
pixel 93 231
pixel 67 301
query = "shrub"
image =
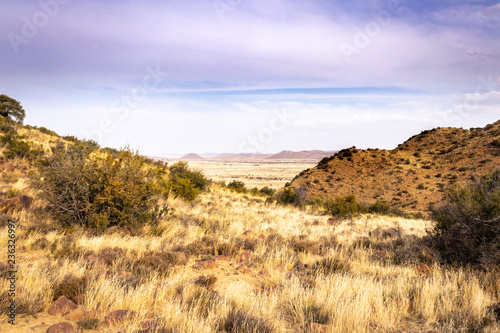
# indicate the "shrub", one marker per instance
pixel 206 281
pixel 380 207
pixel 467 228
pixel 316 202
pixel 237 186
pixel 70 286
pixel 186 183
pixel 344 207
pixel 291 196
pixel 88 323
pixel 241 322
pixel 93 192
pixel 331 265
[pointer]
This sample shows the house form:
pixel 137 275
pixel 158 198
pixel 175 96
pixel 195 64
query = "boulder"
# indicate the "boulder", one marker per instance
pixel 118 316
pixel 318 328
pixel 61 306
pixel 61 328
pixel 76 314
pixel 205 264
pixel 79 299
pixel 15 204
pixel 264 274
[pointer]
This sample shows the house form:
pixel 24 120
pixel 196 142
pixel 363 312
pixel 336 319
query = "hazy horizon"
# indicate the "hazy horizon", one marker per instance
pixel 251 76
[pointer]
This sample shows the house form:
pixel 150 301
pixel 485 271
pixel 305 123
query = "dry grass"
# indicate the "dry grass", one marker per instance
pixel 354 276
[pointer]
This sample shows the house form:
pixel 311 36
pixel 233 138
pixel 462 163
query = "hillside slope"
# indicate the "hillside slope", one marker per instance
pixel 301 155
pixel 410 177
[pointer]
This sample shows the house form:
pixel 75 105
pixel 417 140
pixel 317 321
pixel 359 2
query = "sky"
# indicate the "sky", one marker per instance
pixel 181 76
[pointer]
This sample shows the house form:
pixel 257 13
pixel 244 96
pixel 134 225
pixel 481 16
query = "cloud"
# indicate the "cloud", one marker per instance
pixel 225 72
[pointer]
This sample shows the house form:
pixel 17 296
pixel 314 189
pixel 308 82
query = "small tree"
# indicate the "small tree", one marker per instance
pixel 9 107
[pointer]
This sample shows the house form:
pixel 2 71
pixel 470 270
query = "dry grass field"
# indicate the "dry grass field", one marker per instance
pixel 222 261
pixel 254 173
pixel 230 262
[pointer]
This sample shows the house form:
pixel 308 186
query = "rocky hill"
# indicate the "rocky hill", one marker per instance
pixel 412 176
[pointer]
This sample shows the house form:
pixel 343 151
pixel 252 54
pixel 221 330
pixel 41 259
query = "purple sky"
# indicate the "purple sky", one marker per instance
pixel 240 75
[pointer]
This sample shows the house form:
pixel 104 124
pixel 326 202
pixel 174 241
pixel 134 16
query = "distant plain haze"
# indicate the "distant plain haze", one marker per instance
pixel 251 76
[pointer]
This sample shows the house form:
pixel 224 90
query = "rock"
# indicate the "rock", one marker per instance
pixel 318 328
pixel 61 328
pixel 118 316
pixel 221 258
pixel 76 314
pixel 422 269
pixel 205 264
pixel 264 274
pixel 79 299
pixel 61 306
pixel 180 258
pixel 15 204
pixel 92 314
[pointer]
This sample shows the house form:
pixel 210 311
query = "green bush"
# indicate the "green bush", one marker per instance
pixel 98 192
pixel 291 196
pixel 186 183
pixel 267 191
pixel 467 228
pixel 380 207
pixel 345 207
pixel 237 186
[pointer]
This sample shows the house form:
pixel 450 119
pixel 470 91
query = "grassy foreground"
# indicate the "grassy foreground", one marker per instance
pixel 274 269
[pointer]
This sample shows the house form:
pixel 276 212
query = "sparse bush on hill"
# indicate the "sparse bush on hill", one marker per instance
pixel 99 192
pixel 43 129
pixel 15 146
pixel 467 228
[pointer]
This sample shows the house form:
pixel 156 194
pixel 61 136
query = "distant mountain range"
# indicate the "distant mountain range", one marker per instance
pixel 311 155
pixel 314 155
